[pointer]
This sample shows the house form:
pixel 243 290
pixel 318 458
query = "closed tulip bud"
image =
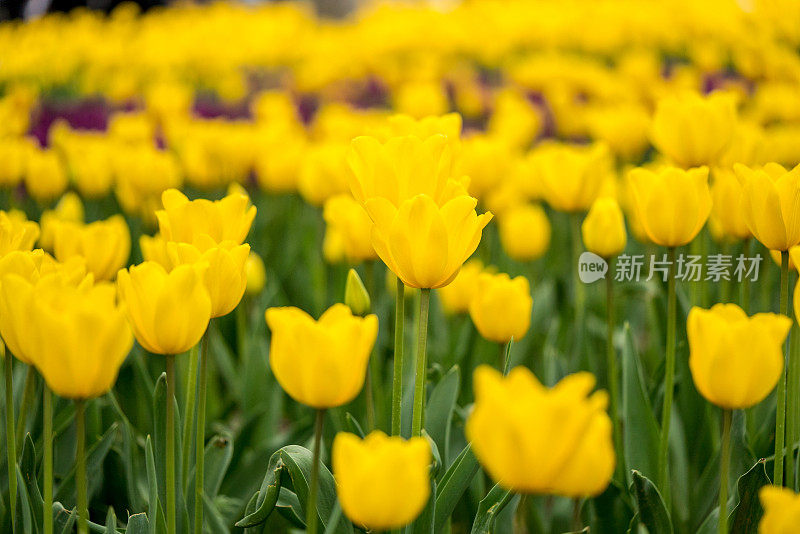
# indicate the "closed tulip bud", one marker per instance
pixel 531 439
pixel 422 243
pixel 693 130
pixel 735 360
pixel 349 220
pixel 45 175
pixel 402 168
pixel 382 482
pixel 604 228
pixel 255 273
pixel 105 245
pixel 68 209
pixel 727 220
pixel 501 307
pixel 781 510
pixel 770 204
pixel 355 294
pixel 457 295
pixel 16 234
pixel 168 311
pixel 225 276
pixel 182 220
pixel 322 363
pixel 570 177
pixel 671 204
pixel 80 336
pixel 524 232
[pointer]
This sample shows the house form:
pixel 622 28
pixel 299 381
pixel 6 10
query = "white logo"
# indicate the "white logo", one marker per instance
pixel 591 267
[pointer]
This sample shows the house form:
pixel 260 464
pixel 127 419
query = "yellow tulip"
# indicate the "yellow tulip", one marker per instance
pixel 182 220
pixel 68 209
pixel 487 161
pixel 671 204
pixel 12 161
pixel 154 248
pixel 382 482
pixel 45 175
pixel 532 439
pixel 501 307
pixel 735 360
pixel 168 311
pixel 399 125
pixel 347 218
pixel 322 363
pixel 771 204
pixel 333 246
pixel 402 168
pixel 727 220
pixel 422 243
pixel 105 245
pixel 693 130
pixel 524 232
pixel 603 229
pixel 457 295
pixel 16 234
pixel 323 173
pixel 225 277
pixel 255 274
pixel 570 177
pixel 781 510
pixel 80 336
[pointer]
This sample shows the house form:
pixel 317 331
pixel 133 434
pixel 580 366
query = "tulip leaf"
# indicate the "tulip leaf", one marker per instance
pixel 25 509
pixel 439 411
pixel 424 523
pixel 489 508
pixel 138 524
pixel 453 484
pixel 652 511
pixel 218 455
pixel 152 486
pixel 266 497
pixel 213 518
pixel 333 520
pixel 640 429
pixel 289 508
pixel 353 425
pixel 64 518
pixel 27 467
pixel 111 521
pixel 95 457
pixel 745 517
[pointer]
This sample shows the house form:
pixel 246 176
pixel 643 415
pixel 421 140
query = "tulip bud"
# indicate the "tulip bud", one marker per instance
pixel 501 307
pixel 256 274
pixel 355 294
pixel 604 228
pixel 525 232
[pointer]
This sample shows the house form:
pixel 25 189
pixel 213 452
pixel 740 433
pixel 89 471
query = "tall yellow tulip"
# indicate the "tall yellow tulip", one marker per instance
pixel 770 204
pixel 570 177
pixel 501 307
pixel 182 220
pixel 603 229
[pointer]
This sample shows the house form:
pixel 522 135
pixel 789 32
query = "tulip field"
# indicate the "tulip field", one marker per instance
pixel 490 266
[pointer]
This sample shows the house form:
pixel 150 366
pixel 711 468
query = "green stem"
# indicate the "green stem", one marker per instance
pixel 669 381
pixel 11 444
pixel 188 414
pixel 520 523
pixel 578 287
pixel 792 398
pixel 744 289
pixel 397 379
pixel 611 367
pixel 311 505
pixel 28 391
pixel 47 459
pixel 502 363
pixel 780 417
pixel 80 467
pixel 200 440
pixel 724 467
pixel 422 363
pixel 369 385
pixel 170 439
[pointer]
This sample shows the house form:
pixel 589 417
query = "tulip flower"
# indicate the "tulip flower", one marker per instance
pixel 255 274
pixel 398 125
pixel 347 218
pixel 693 130
pixel 456 296
pixel 531 439
pixel 323 173
pixel 672 204
pixel 68 209
pixel 45 174
pixel 16 234
pixel 168 311
pixel 382 482
pixel 183 220
pixel 570 177
pixel 781 510
pixel 105 245
pixel 501 307
pixel 727 221
pixel 603 228
pixel 770 202
pixel 524 232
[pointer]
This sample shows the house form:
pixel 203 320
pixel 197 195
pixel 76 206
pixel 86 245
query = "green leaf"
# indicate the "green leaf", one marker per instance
pixel 111 521
pixel 138 524
pixel 25 509
pixel 652 512
pixel 267 496
pixel 289 508
pixel 489 508
pixel 213 517
pixel 640 429
pixel 218 454
pixel 152 487
pixel 453 485
pixel 352 425
pixel 745 517
pixel 439 411
pixel 95 457
pixel 424 523
pixel 27 468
